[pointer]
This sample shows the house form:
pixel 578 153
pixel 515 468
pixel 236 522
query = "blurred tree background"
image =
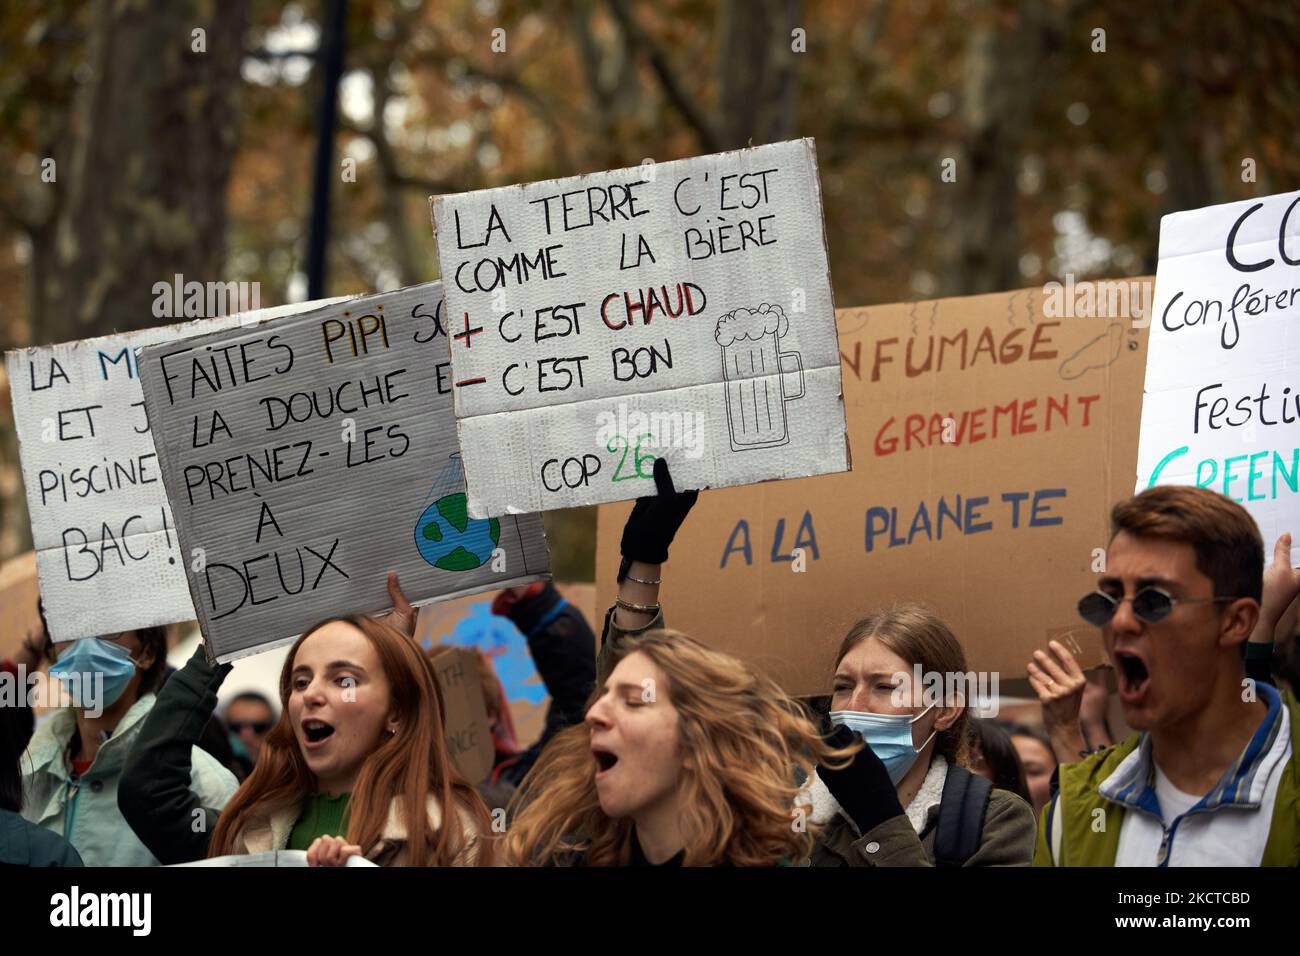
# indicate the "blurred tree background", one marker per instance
pixel 1074 126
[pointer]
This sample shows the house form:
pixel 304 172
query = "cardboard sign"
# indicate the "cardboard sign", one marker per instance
pixel 601 320
pixel 296 858
pixel 465 724
pixel 306 459
pixel 992 433
pixel 1222 406
pixel 469 622
pixel 102 529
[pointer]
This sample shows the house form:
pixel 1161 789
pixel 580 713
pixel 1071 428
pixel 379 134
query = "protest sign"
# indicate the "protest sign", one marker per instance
pixel 306 459
pixel 296 858
pixel 470 623
pixel 599 320
pixel 993 433
pixel 1222 403
pixel 101 525
pixel 465 719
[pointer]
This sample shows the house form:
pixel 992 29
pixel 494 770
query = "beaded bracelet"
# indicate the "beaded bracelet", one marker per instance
pixel 639 608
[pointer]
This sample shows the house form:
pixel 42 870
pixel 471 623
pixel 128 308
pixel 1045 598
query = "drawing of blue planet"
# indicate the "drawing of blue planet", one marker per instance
pixel 449 539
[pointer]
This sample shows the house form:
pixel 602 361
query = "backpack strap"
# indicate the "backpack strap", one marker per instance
pixel 961 816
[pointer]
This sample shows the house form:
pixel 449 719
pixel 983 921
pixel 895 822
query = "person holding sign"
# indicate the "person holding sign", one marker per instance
pixel 357 763
pixel 686 759
pixel 359 732
pixel 1210 777
pixel 907 799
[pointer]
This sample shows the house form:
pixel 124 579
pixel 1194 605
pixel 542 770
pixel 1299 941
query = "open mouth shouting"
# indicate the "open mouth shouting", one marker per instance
pixel 316 733
pixel 1133 674
pixel 605 761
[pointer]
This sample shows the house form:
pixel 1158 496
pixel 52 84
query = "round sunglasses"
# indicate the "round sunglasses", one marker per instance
pixel 1151 605
pixel 256 726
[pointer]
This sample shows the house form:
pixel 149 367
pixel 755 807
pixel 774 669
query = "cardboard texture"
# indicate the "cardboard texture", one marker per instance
pixel 469 622
pixel 465 723
pixel 600 320
pixel 270 858
pixel 1222 409
pixel 101 525
pixel 995 528
pixel 308 458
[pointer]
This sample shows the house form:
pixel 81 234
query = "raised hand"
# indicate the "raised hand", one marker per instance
pixel 402 616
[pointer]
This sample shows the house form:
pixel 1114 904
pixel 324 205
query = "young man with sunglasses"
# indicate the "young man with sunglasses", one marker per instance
pixel 249 718
pixel 1210 778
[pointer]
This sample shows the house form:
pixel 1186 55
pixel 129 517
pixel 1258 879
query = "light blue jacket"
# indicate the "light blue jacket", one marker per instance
pixel 87 815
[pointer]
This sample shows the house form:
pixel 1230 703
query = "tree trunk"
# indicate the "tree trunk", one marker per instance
pixel 758 72
pixel 145 194
pixel 1003 61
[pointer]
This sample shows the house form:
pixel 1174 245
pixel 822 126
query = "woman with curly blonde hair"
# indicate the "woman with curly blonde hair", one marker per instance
pixel 687 758
pixel 906 798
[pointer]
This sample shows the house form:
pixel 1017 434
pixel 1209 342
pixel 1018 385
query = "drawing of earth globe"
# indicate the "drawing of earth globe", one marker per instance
pixel 449 539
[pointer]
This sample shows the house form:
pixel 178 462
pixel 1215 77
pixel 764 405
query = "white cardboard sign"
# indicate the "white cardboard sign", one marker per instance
pixel 680 310
pixel 307 458
pixel 1221 407
pixel 103 533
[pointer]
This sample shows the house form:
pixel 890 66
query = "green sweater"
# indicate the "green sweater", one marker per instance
pixel 322 815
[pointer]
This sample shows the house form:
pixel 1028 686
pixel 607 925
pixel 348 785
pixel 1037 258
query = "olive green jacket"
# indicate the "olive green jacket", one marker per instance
pixel 1069 834
pixel 1007 839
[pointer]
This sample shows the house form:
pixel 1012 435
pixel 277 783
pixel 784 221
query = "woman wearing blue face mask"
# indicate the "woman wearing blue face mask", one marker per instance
pixel 909 799
pixel 906 799
pixel 74 762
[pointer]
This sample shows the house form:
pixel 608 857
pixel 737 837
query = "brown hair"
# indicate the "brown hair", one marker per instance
pixel 408 766
pixel 741 739
pixel 919 636
pixel 1227 542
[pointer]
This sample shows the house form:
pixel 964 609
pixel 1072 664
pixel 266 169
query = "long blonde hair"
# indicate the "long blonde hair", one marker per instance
pixel 741 739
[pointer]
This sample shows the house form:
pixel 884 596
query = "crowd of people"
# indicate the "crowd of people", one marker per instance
pixel 658 750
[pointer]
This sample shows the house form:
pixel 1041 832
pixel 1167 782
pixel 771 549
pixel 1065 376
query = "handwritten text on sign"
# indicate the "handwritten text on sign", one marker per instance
pixel 308 458
pixel 106 548
pixel 1222 403
pixel 996 437
pixel 680 310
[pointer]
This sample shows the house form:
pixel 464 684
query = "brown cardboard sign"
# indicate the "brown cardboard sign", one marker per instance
pixel 469 736
pixel 468 622
pixel 991 435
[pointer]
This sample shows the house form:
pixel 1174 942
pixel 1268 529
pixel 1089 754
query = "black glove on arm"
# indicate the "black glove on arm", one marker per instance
pixel 863 788
pixel 654 521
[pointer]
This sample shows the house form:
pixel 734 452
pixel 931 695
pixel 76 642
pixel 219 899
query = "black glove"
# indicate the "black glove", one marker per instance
pixel 863 788
pixel 654 521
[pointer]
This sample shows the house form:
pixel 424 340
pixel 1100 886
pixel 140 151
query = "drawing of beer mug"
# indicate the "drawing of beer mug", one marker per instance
pixel 755 374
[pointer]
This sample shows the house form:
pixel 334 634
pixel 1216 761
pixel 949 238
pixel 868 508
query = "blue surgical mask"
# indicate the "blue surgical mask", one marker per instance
pixel 888 735
pixel 78 666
